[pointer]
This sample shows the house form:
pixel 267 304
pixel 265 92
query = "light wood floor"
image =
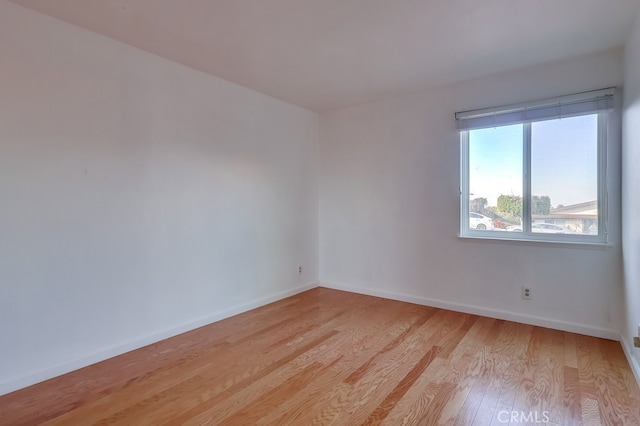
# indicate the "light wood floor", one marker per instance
pixel 330 357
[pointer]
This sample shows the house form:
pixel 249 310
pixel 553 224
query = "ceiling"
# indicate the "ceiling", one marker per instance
pixel 328 54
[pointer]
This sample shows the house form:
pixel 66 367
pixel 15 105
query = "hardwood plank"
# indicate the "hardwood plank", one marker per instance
pixel 540 393
pixel 331 357
pixel 615 404
pixel 573 409
pixel 453 339
pixel 511 352
pixel 588 389
pixel 617 361
pixel 475 339
pixel 433 411
pixel 359 350
pixel 421 396
pixel 469 409
pixel 260 407
pixel 325 354
pixel 570 355
pixel 409 410
pixel 462 387
pixel 362 370
pixel 382 411
pixel 468 363
pixel 590 412
pixel 370 391
pixel 435 329
pixel 555 404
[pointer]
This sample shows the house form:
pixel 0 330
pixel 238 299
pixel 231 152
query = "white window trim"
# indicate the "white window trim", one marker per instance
pixel 526 235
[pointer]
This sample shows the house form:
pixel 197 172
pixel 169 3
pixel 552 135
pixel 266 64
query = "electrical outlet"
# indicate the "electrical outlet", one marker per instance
pixel 526 293
pixel 636 342
pixel 299 270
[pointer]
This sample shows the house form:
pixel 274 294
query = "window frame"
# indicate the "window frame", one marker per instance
pixel 527 221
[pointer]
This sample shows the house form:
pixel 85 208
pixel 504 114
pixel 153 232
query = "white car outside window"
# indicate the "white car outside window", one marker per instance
pixel 480 222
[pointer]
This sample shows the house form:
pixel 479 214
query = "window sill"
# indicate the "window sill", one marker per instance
pixel 593 245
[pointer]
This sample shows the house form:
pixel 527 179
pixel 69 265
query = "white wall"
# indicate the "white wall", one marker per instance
pixel 389 208
pixel 631 193
pixel 139 198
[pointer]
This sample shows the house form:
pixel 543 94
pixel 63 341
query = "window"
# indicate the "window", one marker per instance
pixel 536 171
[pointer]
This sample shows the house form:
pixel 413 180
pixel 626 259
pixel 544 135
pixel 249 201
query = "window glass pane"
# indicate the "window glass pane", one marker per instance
pixel 495 178
pixel 564 176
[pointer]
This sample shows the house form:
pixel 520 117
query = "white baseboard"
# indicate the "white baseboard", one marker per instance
pixel 485 312
pixel 628 351
pixel 75 364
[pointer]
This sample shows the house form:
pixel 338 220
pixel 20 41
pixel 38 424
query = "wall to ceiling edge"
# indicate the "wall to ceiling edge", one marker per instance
pixel 140 198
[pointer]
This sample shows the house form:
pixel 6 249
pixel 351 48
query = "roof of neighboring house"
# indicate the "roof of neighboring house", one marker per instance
pixel 588 210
